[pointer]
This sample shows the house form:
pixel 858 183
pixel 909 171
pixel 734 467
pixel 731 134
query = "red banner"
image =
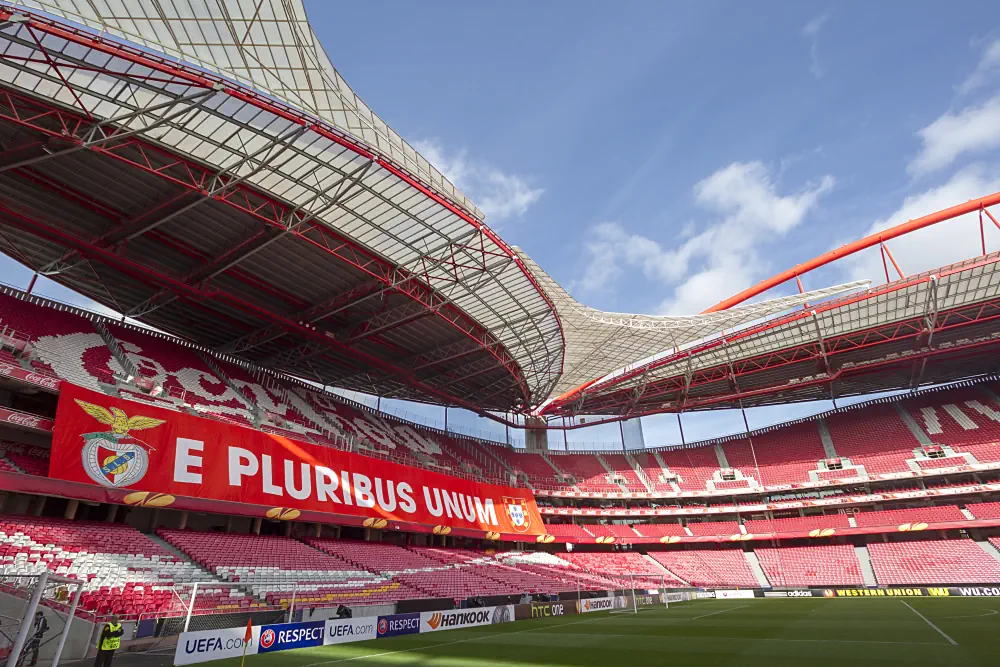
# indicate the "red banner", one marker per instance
pixel 119 444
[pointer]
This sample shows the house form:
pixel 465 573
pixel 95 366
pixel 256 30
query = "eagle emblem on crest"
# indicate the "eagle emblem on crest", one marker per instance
pixel 115 458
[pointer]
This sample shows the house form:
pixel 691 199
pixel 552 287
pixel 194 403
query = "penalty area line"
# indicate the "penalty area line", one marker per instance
pixel 719 612
pixel 928 622
pixel 457 641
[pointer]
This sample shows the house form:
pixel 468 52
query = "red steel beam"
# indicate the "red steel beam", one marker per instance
pixel 203 79
pixel 970 206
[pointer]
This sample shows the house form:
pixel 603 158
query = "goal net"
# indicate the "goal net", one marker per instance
pixel 640 591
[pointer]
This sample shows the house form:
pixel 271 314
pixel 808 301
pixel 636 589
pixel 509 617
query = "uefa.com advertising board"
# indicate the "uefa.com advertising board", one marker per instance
pixel 118 444
pixel 206 645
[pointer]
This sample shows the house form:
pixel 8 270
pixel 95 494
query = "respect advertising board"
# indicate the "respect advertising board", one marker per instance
pixel 395 625
pixel 119 444
pixel 433 621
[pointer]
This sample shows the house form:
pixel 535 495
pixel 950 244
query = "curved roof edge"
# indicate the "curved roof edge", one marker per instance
pixel 229 37
pixel 599 344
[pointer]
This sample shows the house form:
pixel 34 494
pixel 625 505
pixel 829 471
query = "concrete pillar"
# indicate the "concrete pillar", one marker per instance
pixel 39 506
pixel 182 524
pixel 317 529
pixel 3 500
pixel 368 534
pixel 154 520
pixel 229 523
pixel 336 532
pixel 112 513
pixel 255 528
pixel 288 529
pixel 71 507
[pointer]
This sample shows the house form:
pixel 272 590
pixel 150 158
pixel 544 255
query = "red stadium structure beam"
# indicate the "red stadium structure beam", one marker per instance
pixel 875 239
pixel 173 71
pixel 27 222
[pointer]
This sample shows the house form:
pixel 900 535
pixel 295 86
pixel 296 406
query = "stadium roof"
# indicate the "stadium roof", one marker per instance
pixel 254 204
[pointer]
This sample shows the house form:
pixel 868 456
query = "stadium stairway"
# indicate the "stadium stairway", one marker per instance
pixel 657 565
pixel 865 559
pixel 757 570
pixel 826 439
pixel 988 547
pixel 914 427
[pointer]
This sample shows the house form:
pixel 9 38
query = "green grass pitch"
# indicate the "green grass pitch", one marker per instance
pixel 813 632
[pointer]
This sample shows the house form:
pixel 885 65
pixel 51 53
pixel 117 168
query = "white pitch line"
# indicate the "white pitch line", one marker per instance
pixel 719 612
pixel 458 641
pixel 928 622
pixel 989 612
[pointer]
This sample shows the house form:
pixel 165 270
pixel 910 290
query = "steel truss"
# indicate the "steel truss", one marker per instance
pixel 527 348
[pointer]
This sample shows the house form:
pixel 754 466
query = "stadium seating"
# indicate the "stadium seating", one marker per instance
pixel 914 515
pixel 875 437
pixel 652 469
pixel 612 530
pixel 824 565
pixel 126 572
pixel 713 527
pixel 967 418
pixel 957 561
pixel 535 467
pixel 567 530
pixel 276 567
pixel 617 566
pixel 708 567
pixel 181 372
pixel 659 529
pixel 796 524
pixel 785 455
pixel 623 468
pixel 64 345
pixel 984 510
pixel 589 473
pixel 693 465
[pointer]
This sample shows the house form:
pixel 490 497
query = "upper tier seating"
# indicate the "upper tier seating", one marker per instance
pixel 694 465
pixel 65 345
pixel 958 561
pixel 274 397
pixel 797 523
pixel 785 456
pixel 181 372
pixel 270 567
pixel 909 515
pixel 874 437
pixel 589 472
pixel 967 418
pixel 652 469
pixel 126 572
pixel 713 527
pixel 618 565
pixel 709 567
pixel 824 565
pixel 623 468
pixel 540 474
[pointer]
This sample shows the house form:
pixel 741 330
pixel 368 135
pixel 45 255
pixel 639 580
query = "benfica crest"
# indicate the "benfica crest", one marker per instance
pixel 517 510
pixel 114 458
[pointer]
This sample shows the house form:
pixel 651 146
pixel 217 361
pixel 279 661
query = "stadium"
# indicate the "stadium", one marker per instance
pixel 187 460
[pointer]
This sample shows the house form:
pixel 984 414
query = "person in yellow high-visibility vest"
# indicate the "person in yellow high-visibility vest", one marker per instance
pixel 108 642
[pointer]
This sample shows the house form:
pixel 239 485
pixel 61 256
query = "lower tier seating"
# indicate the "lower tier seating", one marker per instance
pixel 708 567
pixel 825 565
pixel 958 561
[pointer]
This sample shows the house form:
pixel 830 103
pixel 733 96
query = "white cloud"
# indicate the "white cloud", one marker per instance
pixel 986 70
pixel 498 194
pixel 935 246
pixel 974 129
pixel 811 33
pixel 716 261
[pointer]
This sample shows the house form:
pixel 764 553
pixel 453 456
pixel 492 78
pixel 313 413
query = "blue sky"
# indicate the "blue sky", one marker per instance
pixel 656 157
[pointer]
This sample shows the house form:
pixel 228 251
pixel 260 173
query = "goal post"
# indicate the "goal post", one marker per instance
pixel 641 591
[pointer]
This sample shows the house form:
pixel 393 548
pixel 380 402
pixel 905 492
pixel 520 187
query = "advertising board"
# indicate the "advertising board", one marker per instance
pixel 205 645
pixel 343 631
pixel 285 636
pixel 398 624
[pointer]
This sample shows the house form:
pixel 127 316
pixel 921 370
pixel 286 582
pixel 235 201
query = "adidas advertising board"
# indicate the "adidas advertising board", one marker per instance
pixel 433 621
pixel 398 624
pixel 342 631
pixel 285 636
pixel 205 645
pixel 788 594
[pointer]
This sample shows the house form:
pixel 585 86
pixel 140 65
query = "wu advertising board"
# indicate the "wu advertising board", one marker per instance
pixel 343 631
pixel 205 645
pixel 433 621
pixel 398 624
pixel 118 444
